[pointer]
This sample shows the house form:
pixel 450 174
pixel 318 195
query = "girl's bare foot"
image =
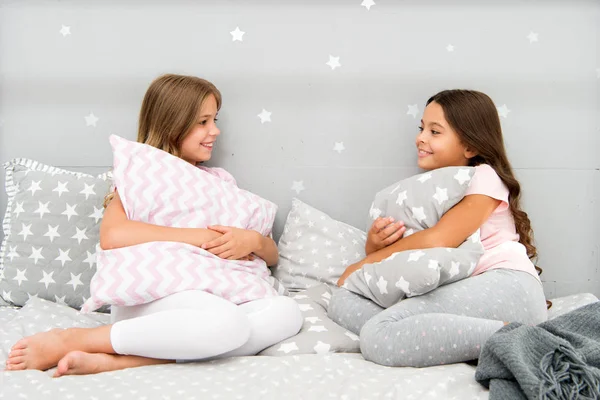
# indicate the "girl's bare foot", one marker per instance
pixel 81 363
pixel 44 350
pixel 40 351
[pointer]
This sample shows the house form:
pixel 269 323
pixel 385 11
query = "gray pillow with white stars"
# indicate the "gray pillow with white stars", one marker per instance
pixel 314 248
pixel 51 229
pixel 419 201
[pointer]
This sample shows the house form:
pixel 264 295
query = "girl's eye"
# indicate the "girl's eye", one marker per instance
pixel 202 122
pixel 420 128
pixel 216 119
pixel 435 133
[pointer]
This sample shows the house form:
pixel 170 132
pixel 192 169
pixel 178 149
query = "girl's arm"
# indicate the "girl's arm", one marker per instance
pixel 237 243
pixel 117 231
pixel 460 222
pixel 267 250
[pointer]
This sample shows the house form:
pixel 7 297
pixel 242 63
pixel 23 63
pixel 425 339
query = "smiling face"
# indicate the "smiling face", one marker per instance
pixel 198 144
pixel 438 145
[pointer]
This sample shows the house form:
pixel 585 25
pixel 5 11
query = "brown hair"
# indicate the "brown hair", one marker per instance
pixel 170 111
pixel 474 117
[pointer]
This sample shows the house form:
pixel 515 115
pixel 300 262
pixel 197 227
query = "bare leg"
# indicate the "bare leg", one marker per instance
pixel 43 350
pixel 81 363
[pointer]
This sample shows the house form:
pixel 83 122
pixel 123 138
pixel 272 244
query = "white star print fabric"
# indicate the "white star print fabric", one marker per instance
pixel 300 374
pixel 51 229
pixel 419 201
pixel 314 248
pixel 319 334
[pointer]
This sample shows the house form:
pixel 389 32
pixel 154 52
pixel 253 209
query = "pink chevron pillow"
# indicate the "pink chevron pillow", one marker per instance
pixel 159 188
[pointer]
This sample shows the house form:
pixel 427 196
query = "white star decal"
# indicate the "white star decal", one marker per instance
pixel 91 259
pixel 42 209
pixel 368 277
pixel 25 231
pixel 441 195
pixel 339 147
pixel 65 30
pixel 91 119
pixel 476 236
pixel 36 254
pixel 75 281
pixel 503 111
pixel 312 320
pixel 533 37
pixel 60 300
pixel 265 116
pixel 61 188
pixel 88 190
pixel 334 62
pixel 317 328
pixel 352 336
pixel 47 279
pixel 288 347
pixel 462 176
pixel 6 296
pixel 70 211
pixel 382 285
pixel 401 197
pixel 374 212
pixel 20 276
pixel 450 48
pixel 35 186
pixel 305 307
pixel 98 214
pixel 367 4
pixel 63 256
pixel 418 213
pixel 237 35
pixel 80 235
pixel 415 255
pixel 403 285
pixel 12 252
pixel 408 232
pixel 454 269
pixel 433 264
pixel 424 177
pixel 413 110
pixel 19 209
pixel 298 186
pixel 52 232
pixel 321 347
pixel 471 268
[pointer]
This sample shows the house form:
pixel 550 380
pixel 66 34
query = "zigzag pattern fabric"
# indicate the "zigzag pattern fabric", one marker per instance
pixel 159 188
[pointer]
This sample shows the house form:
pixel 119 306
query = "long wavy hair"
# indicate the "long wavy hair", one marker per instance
pixel 169 111
pixel 474 117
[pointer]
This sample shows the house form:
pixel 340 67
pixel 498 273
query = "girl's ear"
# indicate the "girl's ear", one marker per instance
pixel 469 153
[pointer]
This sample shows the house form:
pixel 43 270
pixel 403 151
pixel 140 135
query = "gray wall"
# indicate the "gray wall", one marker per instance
pixel 392 56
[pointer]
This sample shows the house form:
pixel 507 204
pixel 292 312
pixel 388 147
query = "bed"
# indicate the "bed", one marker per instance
pixel 336 372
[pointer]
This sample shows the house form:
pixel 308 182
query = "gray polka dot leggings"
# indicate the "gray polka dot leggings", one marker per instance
pixel 447 325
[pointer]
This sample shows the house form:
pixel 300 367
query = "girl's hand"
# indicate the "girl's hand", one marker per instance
pixel 383 232
pixel 234 244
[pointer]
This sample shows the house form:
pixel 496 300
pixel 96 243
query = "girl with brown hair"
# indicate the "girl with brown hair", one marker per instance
pixel 451 323
pixel 178 115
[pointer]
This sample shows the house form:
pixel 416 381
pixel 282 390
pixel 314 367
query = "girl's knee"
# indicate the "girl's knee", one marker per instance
pixel 288 312
pixel 379 339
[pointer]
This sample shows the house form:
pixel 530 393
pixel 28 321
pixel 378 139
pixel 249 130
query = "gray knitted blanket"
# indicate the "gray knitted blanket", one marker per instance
pixel 557 359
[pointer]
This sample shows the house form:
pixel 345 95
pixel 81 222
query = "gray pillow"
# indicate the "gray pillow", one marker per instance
pixel 314 248
pixel 51 229
pixel 419 201
pixel 319 334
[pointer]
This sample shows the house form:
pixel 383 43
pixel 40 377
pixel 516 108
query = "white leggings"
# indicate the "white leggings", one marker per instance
pixel 194 325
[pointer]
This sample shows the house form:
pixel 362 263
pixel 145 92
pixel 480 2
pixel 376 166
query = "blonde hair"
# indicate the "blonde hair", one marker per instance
pixel 170 110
